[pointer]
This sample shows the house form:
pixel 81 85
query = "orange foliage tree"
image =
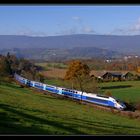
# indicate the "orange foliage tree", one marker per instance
pixel 77 72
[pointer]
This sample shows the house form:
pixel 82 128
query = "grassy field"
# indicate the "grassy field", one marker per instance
pixel 24 111
pixel 50 65
pixel 54 72
pixel 125 90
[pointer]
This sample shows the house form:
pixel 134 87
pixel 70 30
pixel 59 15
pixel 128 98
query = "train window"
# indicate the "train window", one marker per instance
pixel 89 98
pixel 102 96
pixel 96 100
pixel 49 86
pixel 118 101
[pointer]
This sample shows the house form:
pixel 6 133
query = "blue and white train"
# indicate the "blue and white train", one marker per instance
pixel 75 94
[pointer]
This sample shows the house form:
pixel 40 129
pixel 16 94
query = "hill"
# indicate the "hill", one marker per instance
pixel 25 111
pixel 61 54
pixel 66 46
pixel 111 42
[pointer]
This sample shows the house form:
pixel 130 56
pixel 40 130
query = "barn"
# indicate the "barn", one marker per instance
pixel 128 76
pixel 112 76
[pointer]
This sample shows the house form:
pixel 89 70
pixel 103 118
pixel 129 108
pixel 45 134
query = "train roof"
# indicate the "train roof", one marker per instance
pixel 101 95
pixel 94 95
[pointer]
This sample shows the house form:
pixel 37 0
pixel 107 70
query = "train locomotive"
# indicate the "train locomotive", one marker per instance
pixel 75 94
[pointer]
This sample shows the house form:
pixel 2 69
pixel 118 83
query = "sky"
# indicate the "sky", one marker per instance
pixel 52 20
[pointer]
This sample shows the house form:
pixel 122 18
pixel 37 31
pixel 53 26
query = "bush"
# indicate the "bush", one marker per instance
pixel 108 93
pixel 130 106
pixel 6 79
pixel 137 106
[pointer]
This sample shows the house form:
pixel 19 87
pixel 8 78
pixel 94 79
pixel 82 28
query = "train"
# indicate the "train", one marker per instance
pixel 98 99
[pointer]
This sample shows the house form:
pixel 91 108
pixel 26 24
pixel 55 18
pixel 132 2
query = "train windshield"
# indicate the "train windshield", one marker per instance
pixel 120 102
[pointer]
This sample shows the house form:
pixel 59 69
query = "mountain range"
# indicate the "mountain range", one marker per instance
pixel 70 46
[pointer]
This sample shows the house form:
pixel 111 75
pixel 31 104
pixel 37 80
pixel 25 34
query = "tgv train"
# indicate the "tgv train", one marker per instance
pixel 75 94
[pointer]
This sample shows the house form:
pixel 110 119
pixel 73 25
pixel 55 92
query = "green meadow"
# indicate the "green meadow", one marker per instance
pixel 125 90
pixel 26 111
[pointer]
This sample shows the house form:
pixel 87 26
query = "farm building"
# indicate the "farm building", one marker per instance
pixel 106 76
pixel 97 74
pixel 112 76
pixel 115 75
pixel 128 76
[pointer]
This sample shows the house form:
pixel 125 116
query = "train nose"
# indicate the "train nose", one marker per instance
pixel 122 107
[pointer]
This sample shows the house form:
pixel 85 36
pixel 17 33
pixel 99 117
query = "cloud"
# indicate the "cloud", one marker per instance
pixel 30 32
pixel 133 29
pixel 72 30
pixel 76 18
pixel 76 30
pixel 136 26
pixel 87 29
pixel 118 31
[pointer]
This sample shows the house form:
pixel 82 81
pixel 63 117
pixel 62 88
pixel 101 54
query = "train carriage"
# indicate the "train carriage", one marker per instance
pixel 94 98
pixel 89 97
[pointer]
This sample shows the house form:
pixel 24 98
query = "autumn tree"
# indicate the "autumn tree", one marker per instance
pixel 77 73
pixel 13 61
pixel 108 93
pixel 5 68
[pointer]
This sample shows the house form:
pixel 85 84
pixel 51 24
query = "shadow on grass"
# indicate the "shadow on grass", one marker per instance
pixel 13 127
pixel 113 128
pixel 12 121
pixel 11 85
pixel 116 87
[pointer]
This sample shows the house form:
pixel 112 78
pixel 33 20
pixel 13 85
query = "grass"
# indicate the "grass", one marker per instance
pixel 57 82
pixel 50 65
pixel 54 72
pixel 125 90
pixel 57 65
pixel 25 111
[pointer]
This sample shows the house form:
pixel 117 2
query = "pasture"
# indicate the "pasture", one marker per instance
pixel 125 90
pixel 50 65
pixel 26 111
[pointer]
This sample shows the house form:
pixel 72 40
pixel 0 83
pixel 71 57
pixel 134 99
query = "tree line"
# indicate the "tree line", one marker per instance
pixel 10 64
pixel 130 64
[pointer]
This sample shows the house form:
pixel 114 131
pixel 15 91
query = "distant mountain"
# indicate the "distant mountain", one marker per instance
pixel 82 45
pixel 61 53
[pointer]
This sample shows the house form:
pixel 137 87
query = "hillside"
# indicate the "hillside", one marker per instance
pixel 25 111
pixel 69 46
pixel 61 54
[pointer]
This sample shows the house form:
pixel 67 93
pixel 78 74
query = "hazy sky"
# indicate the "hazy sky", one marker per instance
pixel 46 20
